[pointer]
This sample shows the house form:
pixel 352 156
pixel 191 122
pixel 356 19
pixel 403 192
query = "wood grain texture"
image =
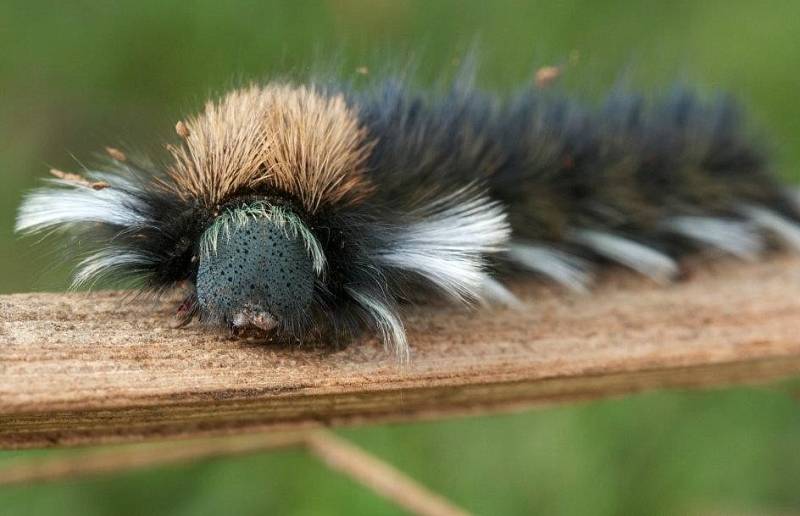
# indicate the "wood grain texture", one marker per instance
pixel 94 368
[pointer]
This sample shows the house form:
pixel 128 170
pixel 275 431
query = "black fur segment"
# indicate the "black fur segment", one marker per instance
pixel 168 228
pixel 557 164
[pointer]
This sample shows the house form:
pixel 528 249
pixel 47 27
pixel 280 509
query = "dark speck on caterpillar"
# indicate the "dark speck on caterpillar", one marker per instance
pixel 309 211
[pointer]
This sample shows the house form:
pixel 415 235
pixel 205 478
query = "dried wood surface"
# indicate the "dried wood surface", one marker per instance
pixel 95 368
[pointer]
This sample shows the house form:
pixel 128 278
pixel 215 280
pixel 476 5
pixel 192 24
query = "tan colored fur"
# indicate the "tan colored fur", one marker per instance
pixel 291 138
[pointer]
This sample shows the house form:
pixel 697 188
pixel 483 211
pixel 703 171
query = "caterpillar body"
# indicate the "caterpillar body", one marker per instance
pixel 315 210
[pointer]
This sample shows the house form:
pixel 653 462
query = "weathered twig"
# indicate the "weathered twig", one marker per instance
pixel 117 459
pixel 379 476
pixel 337 453
pixel 91 368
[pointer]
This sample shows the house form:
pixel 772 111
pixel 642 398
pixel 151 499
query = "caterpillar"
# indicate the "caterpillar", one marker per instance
pixel 304 211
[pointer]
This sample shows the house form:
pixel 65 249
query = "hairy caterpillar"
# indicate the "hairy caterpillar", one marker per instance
pixel 306 210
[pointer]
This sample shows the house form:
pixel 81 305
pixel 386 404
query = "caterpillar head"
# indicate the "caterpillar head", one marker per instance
pixel 257 267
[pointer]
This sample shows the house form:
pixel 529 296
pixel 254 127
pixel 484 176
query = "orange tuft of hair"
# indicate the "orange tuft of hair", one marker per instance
pixel 291 138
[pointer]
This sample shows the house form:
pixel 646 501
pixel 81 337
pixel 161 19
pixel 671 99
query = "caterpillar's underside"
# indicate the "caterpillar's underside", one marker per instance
pixel 315 211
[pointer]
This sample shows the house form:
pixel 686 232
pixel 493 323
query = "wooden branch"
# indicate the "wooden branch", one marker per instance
pixel 96 462
pixel 341 456
pixel 382 478
pixel 95 368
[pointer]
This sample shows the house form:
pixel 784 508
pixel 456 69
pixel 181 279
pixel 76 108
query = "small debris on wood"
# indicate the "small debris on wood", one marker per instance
pixel 78 179
pixel 182 130
pixel 68 176
pixel 116 154
pixel 547 75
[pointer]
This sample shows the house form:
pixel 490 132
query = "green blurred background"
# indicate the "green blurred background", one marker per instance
pixel 76 76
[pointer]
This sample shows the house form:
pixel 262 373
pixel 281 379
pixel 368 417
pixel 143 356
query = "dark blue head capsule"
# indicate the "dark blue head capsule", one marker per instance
pixel 258 272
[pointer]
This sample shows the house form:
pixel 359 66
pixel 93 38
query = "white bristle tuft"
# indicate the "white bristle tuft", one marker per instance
pixel 563 268
pixel 645 260
pixel 104 262
pixel 783 228
pixel 495 292
pixel 793 194
pixel 49 208
pixel 740 239
pixel 448 246
pixel 387 321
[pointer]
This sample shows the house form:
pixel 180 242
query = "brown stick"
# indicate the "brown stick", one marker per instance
pixel 96 462
pixel 99 368
pixel 379 476
pixel 341 456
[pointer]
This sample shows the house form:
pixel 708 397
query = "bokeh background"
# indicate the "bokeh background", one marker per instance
pixel 76 76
